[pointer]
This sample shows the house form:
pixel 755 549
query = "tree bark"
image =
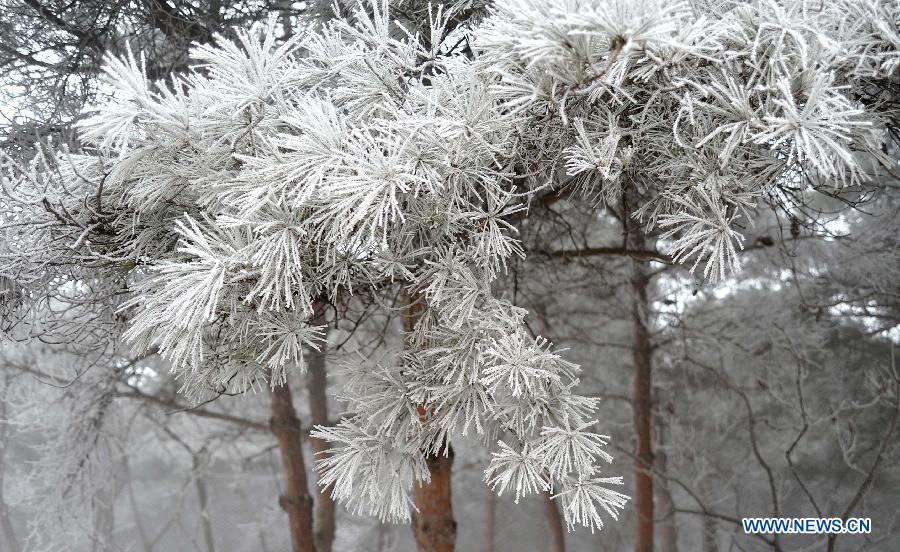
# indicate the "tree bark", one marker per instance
pixel 203 500
pixel 433 525
pixel 317 385
pixel 642 353
pixel 9 532
pixel 668 533
pixel 104 517
pixel 385 538
pixel 709 535
pixel 146 545
pixel 551 509
pixel 709 523
pixel 490 512
pixel 296 500
pixel 287 26
pixel 554 523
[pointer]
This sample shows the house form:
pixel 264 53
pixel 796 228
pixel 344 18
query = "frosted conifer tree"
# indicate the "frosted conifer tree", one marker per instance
pixel 367 157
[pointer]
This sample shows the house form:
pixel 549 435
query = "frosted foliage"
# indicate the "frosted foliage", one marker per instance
pixel 703 114
pixel 366 157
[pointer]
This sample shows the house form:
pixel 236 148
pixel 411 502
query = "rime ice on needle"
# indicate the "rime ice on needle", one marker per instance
pixel 361 156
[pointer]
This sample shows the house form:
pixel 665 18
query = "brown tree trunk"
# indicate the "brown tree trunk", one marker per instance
pixel 490 512
pixel 642 353
pixel 317 385
pixel 295 500
pixel 668 533
pixel 554 523
pixel 433 525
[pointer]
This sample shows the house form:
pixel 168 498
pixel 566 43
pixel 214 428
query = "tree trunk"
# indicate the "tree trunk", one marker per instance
pixel 668 534
pixel 203 500
pixel 490 512
pixel 317 385
pixel 9 533
pixel 146 545
pixel 295 500
pixel 709 535
pixel 554 523
pixel 433 525
pixel 554 520
pixel 709 522
pixel 104 517
pixel 642 353
pixel 287 26
pixel 385 538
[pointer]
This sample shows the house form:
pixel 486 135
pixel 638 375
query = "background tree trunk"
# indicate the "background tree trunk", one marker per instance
pixel 203 500
pixel 433 525
pixel 295 500
pixel 317 385
pixel 551 509
pixel 490 512
pixel 104 521
pixel 642 353
pixel 709 522
pixel 554 523
pixel 146 546
pixel 386 538
pixel 668 532
pixel 9 533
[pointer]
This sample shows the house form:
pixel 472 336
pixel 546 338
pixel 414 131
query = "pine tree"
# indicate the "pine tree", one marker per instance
pixel 373 159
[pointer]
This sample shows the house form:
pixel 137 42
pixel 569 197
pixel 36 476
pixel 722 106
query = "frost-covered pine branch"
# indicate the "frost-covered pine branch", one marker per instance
pixel 369 155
